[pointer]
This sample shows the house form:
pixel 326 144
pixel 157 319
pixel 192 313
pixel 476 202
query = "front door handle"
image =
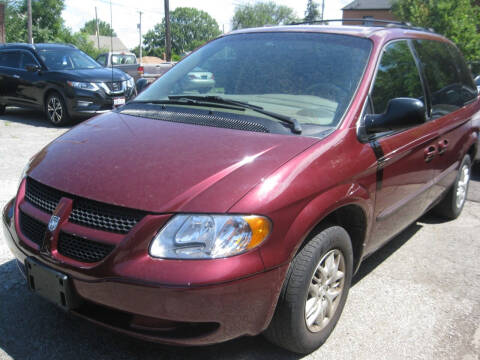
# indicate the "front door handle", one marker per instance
pixel 430 153
pixel 16 76
pixel 442 146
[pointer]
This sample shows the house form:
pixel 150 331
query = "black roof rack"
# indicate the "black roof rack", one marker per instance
pixel 372 22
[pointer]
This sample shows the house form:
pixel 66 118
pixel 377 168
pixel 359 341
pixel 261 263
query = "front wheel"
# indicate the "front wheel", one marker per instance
pixel 56 111
pixel 314 292
pixel 451 206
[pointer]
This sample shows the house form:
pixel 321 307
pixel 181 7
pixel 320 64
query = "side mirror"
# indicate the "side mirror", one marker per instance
pixel 141 85
pixel 33 68
pixel 401 113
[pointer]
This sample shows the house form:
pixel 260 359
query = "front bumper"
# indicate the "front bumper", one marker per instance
pixel 210 305
pixel 84 103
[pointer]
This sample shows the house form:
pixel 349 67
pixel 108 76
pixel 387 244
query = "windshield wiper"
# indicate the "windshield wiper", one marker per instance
pixel 296 127
pixel 186 101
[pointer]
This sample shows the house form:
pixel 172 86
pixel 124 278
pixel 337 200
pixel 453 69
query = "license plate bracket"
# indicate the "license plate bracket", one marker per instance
pixel 52 285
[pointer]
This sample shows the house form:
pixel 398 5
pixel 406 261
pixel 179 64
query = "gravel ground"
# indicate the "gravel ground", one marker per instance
pixel 417 298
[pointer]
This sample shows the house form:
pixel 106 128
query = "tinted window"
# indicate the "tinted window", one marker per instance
pixel 442 75
pixel 102 60
pixel 10 59
pixel 27 59
pixel 469 89
pixel 397 76
pixel 309 76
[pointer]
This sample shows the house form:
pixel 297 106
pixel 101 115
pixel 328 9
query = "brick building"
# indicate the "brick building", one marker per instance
pixel 368 9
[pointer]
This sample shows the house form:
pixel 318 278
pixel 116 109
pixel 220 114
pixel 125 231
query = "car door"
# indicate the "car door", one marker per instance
pixel 452 90
pixel 404 169
pixel 9 76
pixel 31 85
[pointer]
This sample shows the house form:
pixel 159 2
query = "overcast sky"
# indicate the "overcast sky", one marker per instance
pixel 126 16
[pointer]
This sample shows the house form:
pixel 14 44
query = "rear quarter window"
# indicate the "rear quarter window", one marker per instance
pixel 449 84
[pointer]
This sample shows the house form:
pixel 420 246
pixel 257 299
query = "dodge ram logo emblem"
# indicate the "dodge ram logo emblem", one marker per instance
pixel 53 223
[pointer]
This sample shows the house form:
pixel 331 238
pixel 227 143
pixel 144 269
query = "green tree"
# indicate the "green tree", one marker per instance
pixel 104 28
pixel 15 29
pixel 312 12
pixel 261 14
pixel 47 21
pixel 189 29
pixel 459 20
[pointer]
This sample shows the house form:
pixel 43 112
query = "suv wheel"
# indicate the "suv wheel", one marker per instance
pixel 56 111
pixel 314 292
pixel 451 206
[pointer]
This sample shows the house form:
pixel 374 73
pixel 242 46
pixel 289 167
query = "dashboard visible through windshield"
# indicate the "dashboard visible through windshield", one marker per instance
pixel 310 77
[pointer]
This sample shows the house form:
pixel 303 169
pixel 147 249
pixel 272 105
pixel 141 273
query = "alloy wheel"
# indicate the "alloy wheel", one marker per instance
pixel 325 290
pixel 55 110
pixel 462 185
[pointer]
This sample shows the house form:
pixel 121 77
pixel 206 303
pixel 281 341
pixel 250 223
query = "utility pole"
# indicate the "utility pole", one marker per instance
pixel 140 31
pixel 168 40
pixel 29 21
pixel 98 31
pixel 323 9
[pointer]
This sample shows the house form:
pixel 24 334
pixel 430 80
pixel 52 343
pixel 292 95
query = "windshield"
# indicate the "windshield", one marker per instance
pixel 307 76
pixel 67 59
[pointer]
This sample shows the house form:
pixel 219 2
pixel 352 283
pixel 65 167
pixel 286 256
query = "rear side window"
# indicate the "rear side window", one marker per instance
pixel 397 76
pixel 449 85
pixel 10 59
pixel 27 59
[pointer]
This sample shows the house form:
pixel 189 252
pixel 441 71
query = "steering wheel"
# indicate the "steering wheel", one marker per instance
pixel 327 91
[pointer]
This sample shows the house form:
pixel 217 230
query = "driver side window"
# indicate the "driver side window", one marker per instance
pixel 397 76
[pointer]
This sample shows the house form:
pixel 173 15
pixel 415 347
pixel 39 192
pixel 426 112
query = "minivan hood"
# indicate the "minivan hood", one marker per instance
pixel 160 166
pixel 94 75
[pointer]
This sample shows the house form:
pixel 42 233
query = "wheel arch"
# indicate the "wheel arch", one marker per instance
pixel 353 212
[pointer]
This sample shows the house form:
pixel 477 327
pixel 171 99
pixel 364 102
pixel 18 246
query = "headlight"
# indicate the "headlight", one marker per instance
pixel 83 85
pixel 130 82
pixel 200 236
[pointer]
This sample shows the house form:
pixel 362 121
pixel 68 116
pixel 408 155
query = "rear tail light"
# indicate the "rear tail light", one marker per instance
pixel 140 70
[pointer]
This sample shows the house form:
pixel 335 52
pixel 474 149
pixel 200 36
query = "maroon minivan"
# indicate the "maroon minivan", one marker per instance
pixel 193 217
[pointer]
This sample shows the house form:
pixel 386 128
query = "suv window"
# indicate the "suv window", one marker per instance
pixel 397 76
pixel 442 75
pixel 27 59
pixel 102 59
pixel 469 89
pixel 10 59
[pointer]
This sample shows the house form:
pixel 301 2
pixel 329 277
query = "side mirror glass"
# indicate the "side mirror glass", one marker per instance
pixel 32 68
pixel 401 113
pixel 141 85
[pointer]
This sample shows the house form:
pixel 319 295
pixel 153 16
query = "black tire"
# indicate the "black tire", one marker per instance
pixel 452 205
pixel 288 328
pixel 56 111
pixel 2 109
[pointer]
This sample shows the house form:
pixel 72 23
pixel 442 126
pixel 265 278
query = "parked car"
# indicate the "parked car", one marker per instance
pixel 189 219
pixel 127 62
pixel 199 80
pixel 60 80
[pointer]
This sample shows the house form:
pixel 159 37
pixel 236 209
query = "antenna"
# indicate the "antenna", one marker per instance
pixel 111 38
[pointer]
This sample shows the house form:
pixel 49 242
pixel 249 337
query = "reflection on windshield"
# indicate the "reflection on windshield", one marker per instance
pixel 67 59
pixel 308 76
